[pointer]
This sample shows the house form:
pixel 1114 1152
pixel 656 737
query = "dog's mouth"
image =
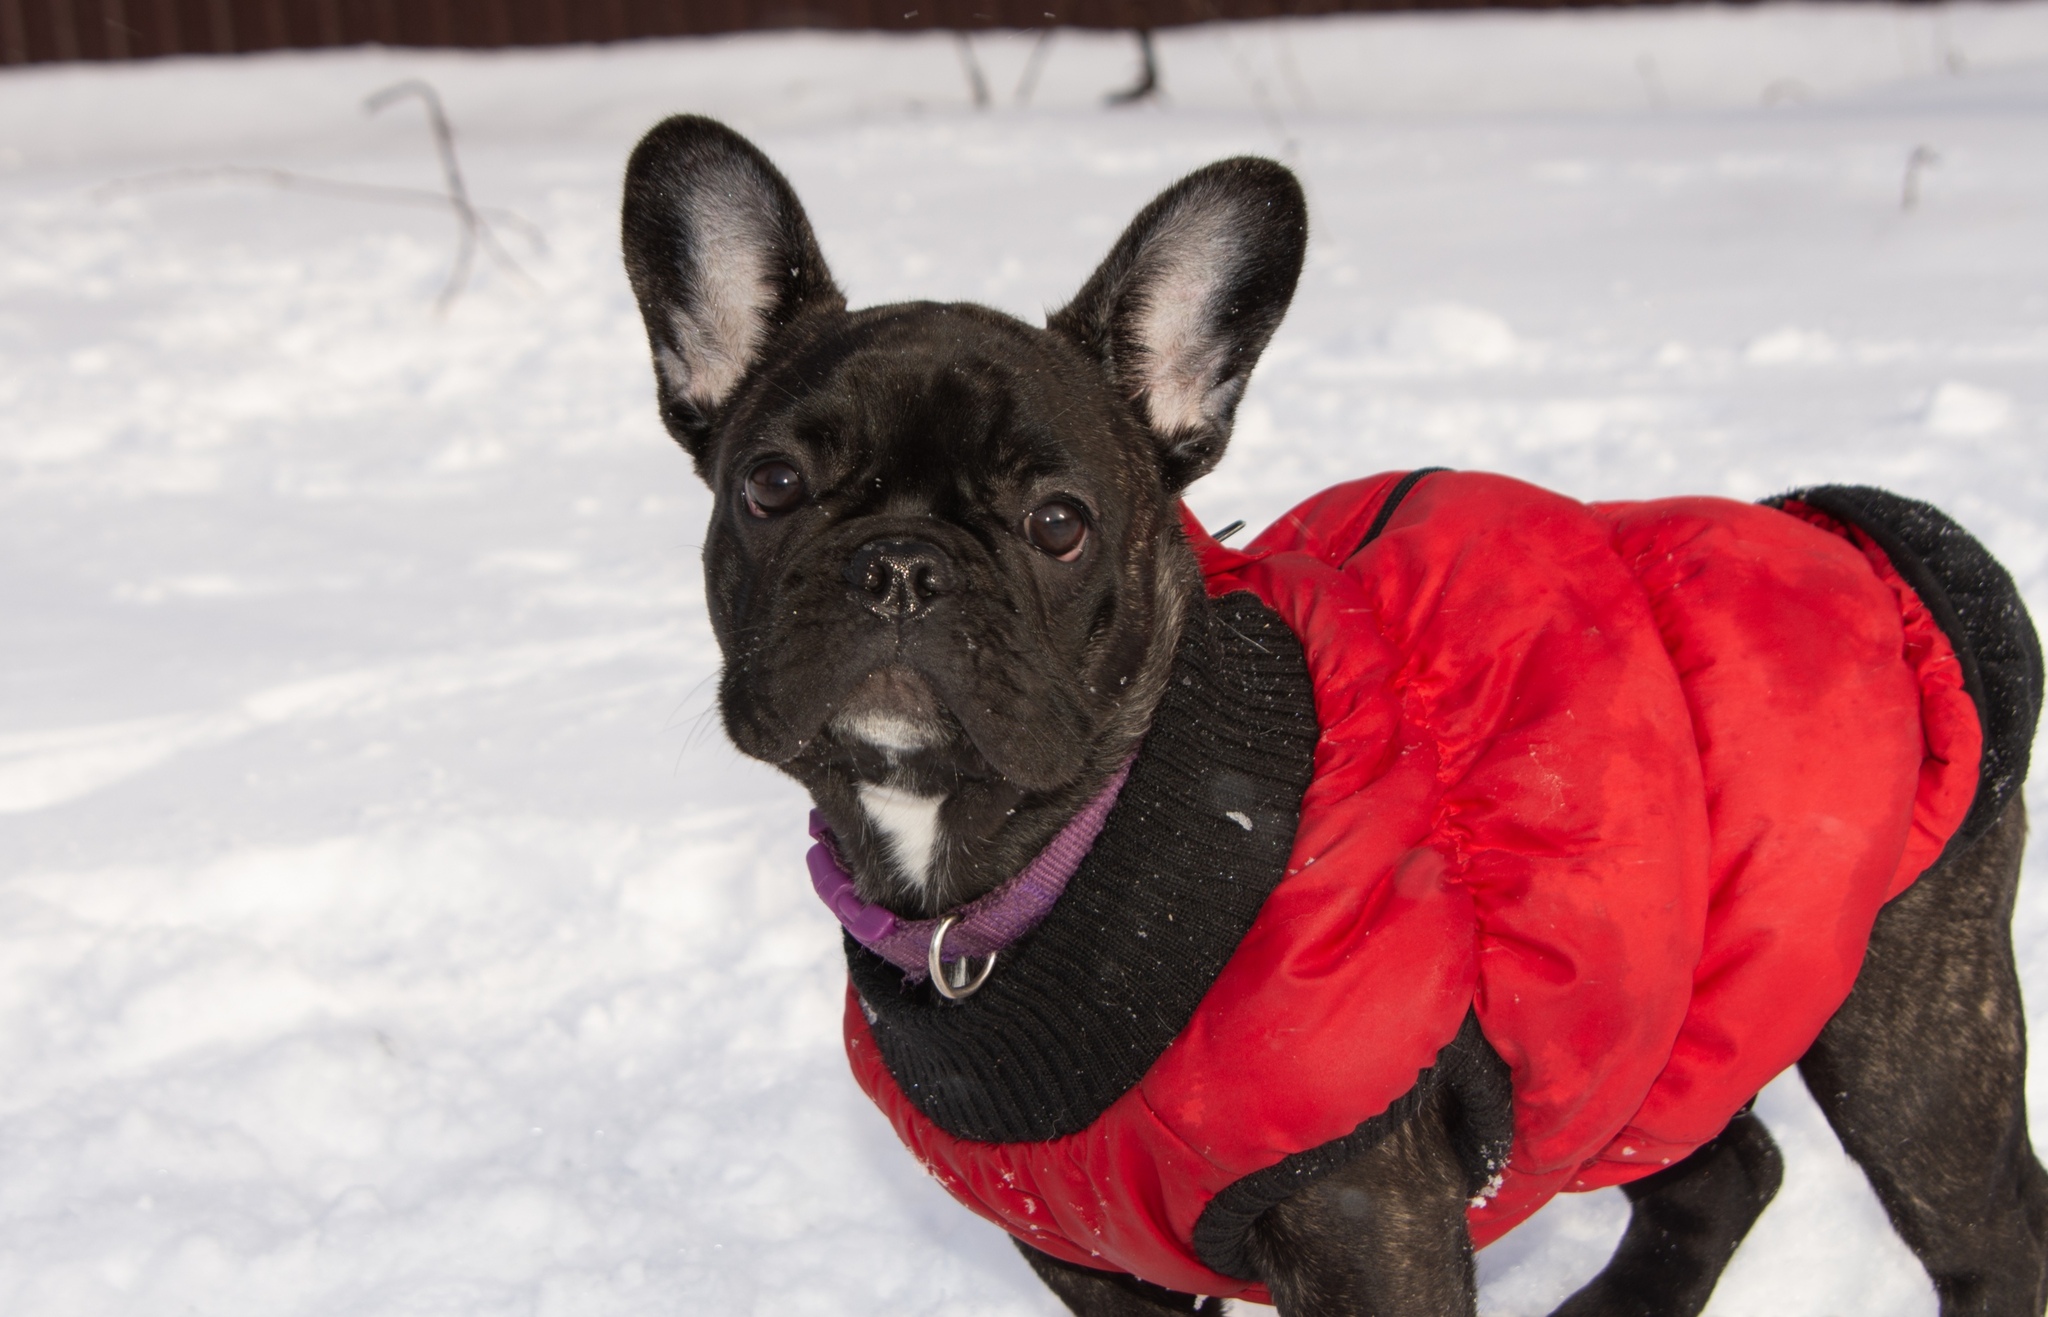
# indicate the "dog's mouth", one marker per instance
pixel 894 710
pixel 893 720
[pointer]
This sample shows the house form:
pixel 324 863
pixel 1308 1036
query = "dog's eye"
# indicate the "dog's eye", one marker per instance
pixel 1056 528
pixel 774 487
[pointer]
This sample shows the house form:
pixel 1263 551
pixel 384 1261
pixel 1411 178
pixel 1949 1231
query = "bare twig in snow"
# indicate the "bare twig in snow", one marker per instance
pixel 1922 158
pixel 474 224
pixel 286 180
pixel 1034 64
pixel 1147 85
pixel 473 230
pixel 976 82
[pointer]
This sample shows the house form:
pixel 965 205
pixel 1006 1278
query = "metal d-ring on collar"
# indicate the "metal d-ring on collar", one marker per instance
pixel 959 989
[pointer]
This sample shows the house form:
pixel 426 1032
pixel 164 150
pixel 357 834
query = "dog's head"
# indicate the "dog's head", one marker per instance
pixel 944 562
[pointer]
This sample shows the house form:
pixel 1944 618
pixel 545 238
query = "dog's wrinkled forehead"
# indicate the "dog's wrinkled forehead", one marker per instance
pixel 927 405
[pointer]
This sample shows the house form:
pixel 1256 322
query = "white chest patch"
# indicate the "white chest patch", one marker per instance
pixel 910 824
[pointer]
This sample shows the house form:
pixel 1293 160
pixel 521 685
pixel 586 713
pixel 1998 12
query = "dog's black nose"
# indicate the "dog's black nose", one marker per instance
pixel 898 579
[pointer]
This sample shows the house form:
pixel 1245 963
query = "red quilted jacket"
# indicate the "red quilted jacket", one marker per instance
pixel 1630 781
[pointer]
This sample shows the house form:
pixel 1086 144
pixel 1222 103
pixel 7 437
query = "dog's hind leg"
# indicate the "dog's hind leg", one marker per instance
pixel 1684 1224
pixel 1922 1074
pixel 1090 1293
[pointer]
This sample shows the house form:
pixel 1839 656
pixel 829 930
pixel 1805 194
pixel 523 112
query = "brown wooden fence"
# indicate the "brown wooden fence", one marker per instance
pixel 36 31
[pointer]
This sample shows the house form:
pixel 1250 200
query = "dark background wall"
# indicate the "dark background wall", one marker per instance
pixel 35 31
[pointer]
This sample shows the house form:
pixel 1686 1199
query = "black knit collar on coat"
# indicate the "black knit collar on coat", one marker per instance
pixel 1077 1012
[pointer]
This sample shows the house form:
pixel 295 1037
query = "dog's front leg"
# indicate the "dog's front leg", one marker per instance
pixel 1382 1236
pixel 1110 1294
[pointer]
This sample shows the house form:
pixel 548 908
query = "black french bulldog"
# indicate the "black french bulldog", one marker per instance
pixel 947 575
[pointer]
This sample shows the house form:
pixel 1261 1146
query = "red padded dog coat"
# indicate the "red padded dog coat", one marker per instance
pixel 1629 781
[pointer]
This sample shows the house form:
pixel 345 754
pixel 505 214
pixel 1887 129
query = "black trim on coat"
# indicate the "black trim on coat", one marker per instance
pixel 1974 601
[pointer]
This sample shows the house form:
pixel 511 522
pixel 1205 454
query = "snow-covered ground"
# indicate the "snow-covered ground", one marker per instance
pixel 385 926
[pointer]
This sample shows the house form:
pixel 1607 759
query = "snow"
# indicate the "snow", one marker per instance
pixel 385 926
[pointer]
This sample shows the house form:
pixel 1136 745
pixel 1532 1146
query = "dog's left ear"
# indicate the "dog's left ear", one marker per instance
pixel 1180 311
pixel 720 256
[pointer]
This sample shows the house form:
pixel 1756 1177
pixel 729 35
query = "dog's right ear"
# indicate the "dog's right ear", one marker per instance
pixel 720 256
pixel 1187 299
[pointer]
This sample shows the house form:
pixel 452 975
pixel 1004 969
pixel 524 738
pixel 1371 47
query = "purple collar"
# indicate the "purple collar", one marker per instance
pixel 984 925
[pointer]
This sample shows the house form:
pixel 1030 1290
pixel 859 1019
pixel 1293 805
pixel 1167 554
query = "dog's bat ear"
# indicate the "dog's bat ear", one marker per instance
pixel 721 257
pixel 1187 300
